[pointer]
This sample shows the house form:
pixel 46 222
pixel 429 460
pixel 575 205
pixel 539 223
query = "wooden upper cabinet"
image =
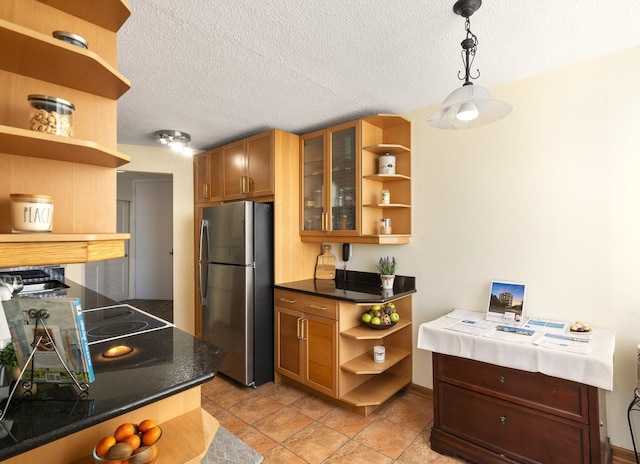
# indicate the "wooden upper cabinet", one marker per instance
pixel 248 167
pixel 208 176
pixel 341 186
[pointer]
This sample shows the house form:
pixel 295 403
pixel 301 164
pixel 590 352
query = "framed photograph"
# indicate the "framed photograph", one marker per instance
pixel 506 302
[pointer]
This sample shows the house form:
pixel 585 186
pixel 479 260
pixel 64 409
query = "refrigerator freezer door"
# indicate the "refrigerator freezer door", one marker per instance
pixel 227 319
pixel 230 229
pixel 203 261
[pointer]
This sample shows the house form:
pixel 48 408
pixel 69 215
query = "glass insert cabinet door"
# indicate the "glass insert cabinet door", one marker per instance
pixel 343 180
pixel 313 172
pixel 329 181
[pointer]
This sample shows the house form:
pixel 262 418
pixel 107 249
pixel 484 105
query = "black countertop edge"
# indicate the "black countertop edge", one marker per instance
pixel 169 361
pixel 354 287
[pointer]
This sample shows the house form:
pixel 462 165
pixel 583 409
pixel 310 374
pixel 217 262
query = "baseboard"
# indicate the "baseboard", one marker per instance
pixel 622 455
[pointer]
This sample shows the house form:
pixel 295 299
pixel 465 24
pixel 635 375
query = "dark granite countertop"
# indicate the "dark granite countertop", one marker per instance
pixel 167 361
pixel 354 286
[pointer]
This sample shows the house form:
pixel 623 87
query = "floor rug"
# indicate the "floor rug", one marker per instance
pixel 226 448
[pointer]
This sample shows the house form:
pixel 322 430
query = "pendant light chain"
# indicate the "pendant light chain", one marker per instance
pixel 468 53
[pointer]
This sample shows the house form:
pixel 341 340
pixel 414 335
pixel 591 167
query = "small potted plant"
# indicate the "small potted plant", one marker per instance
pixel 387 269
pixel 9 360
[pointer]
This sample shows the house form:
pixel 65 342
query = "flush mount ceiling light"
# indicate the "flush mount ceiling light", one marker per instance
pixel 176 140
pixel 470 105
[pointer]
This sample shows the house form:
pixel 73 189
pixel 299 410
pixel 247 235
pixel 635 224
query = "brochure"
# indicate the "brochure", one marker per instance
pixel 57 336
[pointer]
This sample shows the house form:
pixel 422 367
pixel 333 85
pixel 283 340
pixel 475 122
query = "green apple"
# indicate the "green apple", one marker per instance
pixel 366 317
pixel 375 320
pixel 376 307
pixel 395 317
pixel 391 306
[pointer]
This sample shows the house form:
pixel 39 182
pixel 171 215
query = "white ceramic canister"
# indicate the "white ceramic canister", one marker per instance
pixel 387 164
pixel 31 213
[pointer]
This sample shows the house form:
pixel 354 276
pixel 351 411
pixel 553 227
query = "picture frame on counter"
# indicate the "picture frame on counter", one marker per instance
pixel 506 302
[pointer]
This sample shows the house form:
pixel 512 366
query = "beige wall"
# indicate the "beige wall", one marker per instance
pixel 163 160
pixel 549 196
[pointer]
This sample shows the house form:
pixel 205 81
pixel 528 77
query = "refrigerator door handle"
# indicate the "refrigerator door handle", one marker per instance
pixel 203 265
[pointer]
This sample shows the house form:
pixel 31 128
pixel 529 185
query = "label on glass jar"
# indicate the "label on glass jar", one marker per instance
pixel 385 197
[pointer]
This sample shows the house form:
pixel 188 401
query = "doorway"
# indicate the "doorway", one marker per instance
pixel 153 239
pixel 145 210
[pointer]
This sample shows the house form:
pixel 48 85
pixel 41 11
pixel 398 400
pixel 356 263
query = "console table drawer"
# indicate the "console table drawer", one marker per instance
pixel 550 394
pixel 517 432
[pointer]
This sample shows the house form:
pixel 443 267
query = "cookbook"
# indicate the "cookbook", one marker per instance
pixel 53 330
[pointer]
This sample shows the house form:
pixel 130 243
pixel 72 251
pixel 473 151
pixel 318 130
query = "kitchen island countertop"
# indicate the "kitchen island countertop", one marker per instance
pixel 353 286
pixel 168 361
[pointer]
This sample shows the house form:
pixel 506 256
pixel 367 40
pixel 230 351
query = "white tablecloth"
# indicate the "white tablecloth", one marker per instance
pixel 594 368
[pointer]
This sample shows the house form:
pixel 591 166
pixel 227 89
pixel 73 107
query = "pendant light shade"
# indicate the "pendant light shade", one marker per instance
pixel 470 105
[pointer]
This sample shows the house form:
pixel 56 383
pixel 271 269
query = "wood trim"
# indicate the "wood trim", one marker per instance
pixel 58 62
pixel 63 252
pixel 24 142
pixel 110 14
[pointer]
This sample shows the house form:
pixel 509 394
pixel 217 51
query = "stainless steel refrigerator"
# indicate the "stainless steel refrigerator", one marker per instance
pixel 236 287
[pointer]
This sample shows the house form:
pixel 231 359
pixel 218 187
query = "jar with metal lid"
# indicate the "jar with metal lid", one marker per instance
pixel 51 115
pixel 385 197
pixel 387 164
pixel 31 213
pixel 70 38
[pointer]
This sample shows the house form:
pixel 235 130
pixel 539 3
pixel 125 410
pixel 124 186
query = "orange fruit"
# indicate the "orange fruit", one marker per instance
pixel 151 436
pixel 133 440
pixel 104 445
pixel 123 431
pixel 145 425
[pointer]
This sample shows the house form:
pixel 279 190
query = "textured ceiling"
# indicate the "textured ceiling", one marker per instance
pixel 224 69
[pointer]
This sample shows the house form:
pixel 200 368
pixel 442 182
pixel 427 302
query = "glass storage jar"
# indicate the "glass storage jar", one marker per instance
pixel 51 115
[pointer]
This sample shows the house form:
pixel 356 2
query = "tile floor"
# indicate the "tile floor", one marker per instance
pixel 288 426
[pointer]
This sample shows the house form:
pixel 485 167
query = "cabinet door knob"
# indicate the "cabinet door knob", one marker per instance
pixel 503 420
pixel 501 379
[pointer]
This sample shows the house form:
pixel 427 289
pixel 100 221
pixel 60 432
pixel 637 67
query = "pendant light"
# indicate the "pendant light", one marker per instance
pixel 470 105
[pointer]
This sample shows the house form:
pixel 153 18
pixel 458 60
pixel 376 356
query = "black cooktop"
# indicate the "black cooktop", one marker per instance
pixel 118 321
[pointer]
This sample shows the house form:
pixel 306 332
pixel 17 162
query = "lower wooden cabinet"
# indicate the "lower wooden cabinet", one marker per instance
pixel 322 347
pixel 492 414
pixel 306 342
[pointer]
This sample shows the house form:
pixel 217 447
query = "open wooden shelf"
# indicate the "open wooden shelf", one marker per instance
pixel 386 177
pixel 392 148
pixel 376 390
pixel 385 121
pixel 59 62
pixel 364 364
pixel 24 142
pixel 110 14
pixel 35 249
pixel 362 332
pixel 387 205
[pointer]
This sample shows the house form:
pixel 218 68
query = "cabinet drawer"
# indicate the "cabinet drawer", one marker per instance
pixel 323 307
pixel 518 432
pixel 553 395
pixel 285 299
